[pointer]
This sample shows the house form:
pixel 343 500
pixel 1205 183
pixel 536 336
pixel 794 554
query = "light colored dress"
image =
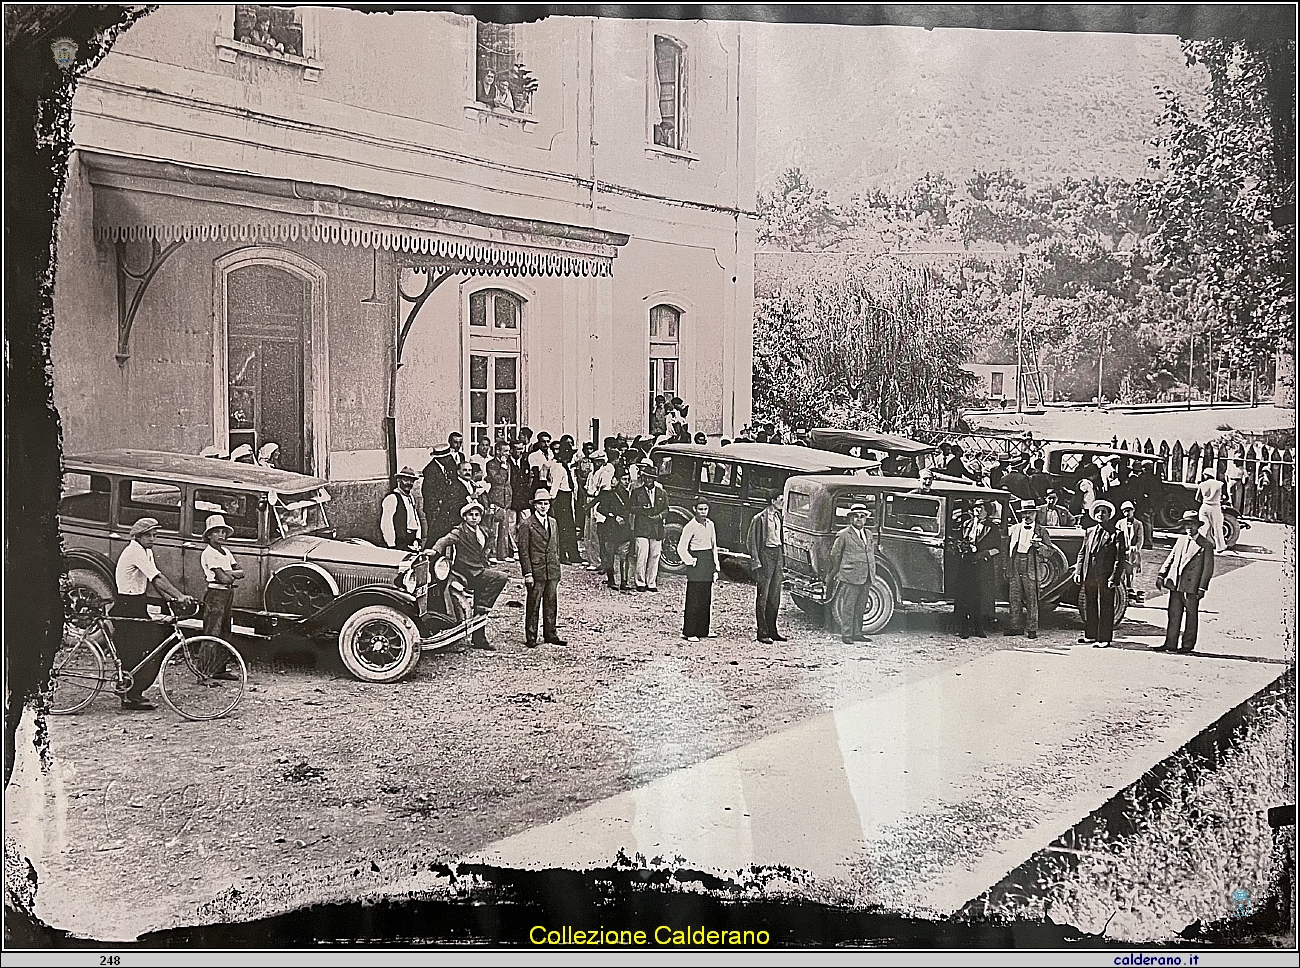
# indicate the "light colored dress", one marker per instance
pixel 1210 492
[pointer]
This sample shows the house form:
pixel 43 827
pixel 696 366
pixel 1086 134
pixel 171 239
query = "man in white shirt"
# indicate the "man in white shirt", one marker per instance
pixel 136 635
pixel 1186 573
pixel 698 550
pixel 399 520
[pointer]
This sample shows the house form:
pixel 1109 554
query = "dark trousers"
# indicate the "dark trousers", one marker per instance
pixel 216 611
pixel 1024 594
pixel 544 597
pixel 563 505
pixel 134 638
pixel 1098 611
pixel 1148 528
pixel 1184 615
pixel 968 600
pixel 849 606
pixel 699 603
pixel 486 586
pixel 769 578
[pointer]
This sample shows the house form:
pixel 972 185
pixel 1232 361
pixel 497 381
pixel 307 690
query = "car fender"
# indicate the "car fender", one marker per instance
pixel 332 616
pixel 85 558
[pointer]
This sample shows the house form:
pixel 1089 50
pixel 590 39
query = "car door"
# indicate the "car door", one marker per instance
pixel 912 530
pixel 722 484
pixel 241 509
pixel 140 497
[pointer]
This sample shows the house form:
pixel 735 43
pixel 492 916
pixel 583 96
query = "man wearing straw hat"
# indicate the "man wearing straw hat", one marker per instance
pixel 1024 544
pixel 1100 570
pixel 471 565
pixel 539 560
pixel 399 521
pixel 852 568
pixel 1186 573
pixel 137 635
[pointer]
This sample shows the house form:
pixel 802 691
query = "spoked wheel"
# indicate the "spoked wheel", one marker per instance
pixel 203 677
pixel 298 592
pixel 379 644
pixel 77 674
pixel 880 606
pixel 670 562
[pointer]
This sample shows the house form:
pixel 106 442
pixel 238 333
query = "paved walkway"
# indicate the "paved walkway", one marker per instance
pixel 923 797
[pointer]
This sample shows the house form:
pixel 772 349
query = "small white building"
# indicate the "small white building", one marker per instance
pixel 995 385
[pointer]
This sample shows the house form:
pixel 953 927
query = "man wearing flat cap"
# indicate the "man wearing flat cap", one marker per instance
pixel 1025 543
pixel 851 567
pixel 471 564
pixel 1100 570
pixel 137 634
pixel 539 560
pixel 1186 573
pixel 399 520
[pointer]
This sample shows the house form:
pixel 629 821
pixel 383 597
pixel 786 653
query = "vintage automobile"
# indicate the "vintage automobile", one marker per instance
pixel 1065 464
pixel 915 523
pixel 897 451
pixel 381 608
pixel 735 480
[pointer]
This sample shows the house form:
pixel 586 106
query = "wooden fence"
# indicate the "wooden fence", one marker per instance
pixel 1265 490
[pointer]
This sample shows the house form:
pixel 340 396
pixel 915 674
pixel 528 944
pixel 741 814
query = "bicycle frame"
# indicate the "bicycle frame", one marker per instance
pixel 103 624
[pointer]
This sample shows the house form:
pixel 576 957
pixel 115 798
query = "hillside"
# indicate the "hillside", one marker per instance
pixel 860 107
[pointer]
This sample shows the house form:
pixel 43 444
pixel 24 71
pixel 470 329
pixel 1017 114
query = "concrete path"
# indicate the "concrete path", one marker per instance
pixel 923 797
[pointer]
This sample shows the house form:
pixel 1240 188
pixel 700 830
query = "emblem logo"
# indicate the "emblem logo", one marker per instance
pixel 65 52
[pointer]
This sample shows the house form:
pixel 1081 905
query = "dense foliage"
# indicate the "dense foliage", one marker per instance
pixel 1128 284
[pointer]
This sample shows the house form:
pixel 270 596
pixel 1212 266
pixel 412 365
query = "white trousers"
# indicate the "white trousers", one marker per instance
pixel 648 551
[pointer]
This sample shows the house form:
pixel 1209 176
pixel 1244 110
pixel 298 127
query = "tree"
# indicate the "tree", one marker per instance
pixel 1216 239
pixel 852 347
pixel 797 216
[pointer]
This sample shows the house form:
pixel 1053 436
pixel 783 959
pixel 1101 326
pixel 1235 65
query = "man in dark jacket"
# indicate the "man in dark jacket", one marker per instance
pixel 1100 570
pixel 1017 482
pixel 767 562
pixel 441 503
pixel 1040 482
pixel 956 467
pixel 1186 573
pixel 539 560
pixel 650 502
pixel 471 565
pixel 617 507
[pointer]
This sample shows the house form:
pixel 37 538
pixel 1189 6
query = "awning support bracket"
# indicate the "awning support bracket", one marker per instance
pixel 126 312
pixel 431 282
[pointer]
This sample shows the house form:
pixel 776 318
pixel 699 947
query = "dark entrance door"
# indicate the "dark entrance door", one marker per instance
pixel 267 333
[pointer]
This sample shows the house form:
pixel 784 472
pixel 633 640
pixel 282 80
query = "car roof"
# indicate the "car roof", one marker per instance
pixel 788 456
pixel 1097 449
pixel 906 484
pixel 211 471
pixel 834 437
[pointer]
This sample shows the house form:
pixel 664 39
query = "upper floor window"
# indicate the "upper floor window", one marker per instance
pixel 274 29
pixel 495 309
pixel 664 322
pixel 500 79
pixel 670 93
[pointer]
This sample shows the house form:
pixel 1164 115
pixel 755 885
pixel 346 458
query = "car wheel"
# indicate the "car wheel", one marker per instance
pixel 297 591
pixel 1052 566
pixel 814 610
pixel 1231 530
pixel 1168 516
pixel 88 590
pixel 379 644
pixel 880 607
pixel 1121 603
pixel 670 562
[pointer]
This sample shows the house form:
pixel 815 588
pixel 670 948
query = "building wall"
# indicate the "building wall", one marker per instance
pixel 392 111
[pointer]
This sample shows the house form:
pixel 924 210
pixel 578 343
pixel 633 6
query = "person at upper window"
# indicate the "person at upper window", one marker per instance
pixel 659 417
pixel 260 35
pixel 487 82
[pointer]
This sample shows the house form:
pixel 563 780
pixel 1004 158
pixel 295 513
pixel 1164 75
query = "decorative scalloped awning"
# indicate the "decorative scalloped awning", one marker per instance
pixel 135 201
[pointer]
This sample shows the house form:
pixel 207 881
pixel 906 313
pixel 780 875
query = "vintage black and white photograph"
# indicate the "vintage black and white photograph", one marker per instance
pixel 651 478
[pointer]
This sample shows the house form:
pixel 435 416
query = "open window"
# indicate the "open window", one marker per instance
pixel 914 514
pixel 150 499
pixel 85 497
pixel 501 81
pixel 239 508
pixel 668 112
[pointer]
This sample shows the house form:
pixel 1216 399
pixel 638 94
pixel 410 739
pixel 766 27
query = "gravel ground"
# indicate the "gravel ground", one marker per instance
pixel 319 786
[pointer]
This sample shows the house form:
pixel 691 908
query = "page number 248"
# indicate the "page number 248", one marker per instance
pixel 110 960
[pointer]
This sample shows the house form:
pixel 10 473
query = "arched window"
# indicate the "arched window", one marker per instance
pixel 665 334
pixel 495 321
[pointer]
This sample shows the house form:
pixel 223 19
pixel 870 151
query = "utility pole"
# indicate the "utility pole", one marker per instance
pixel 1191 361
pixel 1020 343
pixel 1101 362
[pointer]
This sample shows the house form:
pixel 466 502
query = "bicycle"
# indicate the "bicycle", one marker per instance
pixel 198 677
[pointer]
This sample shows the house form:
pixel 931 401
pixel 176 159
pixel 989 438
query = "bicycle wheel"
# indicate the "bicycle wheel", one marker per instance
pixel 77 674
pixel 203 677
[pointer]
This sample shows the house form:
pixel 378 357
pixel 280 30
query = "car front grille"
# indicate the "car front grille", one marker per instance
pixel 349 579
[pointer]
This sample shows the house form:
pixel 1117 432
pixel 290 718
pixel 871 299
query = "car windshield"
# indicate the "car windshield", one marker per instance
pixel 301 513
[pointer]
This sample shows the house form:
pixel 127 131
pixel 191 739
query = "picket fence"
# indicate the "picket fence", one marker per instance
pixel 1266 493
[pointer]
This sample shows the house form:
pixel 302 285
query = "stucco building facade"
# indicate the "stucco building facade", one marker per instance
pixel 338 231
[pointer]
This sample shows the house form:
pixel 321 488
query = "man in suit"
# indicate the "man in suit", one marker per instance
pixel 1053 514
pixel 1100 570
pixel 650 502
pixel 520 484
pixel 471 564
pixel 956 467
pixel 539 559
pixel 767 559
pixel 852 568
pixel 616 538
pixel 1023 546
pixel 441 506
pixel 399 521
pixel 1186 573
